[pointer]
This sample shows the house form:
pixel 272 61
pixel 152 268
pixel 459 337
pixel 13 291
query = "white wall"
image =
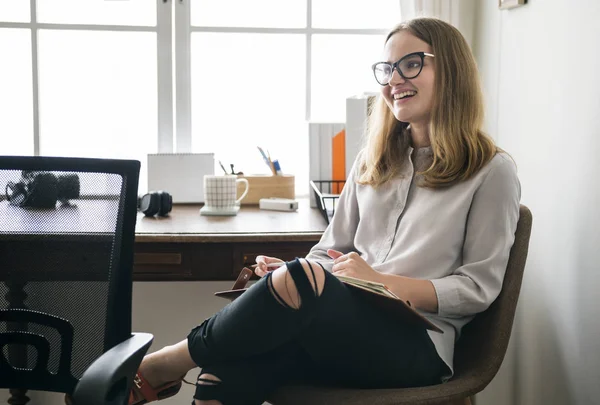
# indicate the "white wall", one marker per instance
pixel 540 65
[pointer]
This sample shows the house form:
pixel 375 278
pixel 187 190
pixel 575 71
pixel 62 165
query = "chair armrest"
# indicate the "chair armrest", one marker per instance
pixel 116 366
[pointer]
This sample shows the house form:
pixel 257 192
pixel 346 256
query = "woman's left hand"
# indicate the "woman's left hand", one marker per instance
pixel 352 265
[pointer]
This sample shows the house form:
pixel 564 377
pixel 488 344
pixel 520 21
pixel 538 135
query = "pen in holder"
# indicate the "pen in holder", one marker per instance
pixel 267 158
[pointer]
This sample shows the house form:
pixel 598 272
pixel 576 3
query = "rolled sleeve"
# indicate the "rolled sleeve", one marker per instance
pixel 490 233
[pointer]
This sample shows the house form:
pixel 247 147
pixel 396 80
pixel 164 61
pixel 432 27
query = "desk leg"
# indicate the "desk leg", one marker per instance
pixel 16 299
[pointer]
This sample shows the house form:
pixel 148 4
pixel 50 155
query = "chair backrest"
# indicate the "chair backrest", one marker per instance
pixel 482 345
pixel 67 227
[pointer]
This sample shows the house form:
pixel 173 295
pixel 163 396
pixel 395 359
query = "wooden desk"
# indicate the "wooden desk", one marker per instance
pixel 183 246
pixel 188 246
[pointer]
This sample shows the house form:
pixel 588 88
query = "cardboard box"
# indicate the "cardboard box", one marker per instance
pixel 266 186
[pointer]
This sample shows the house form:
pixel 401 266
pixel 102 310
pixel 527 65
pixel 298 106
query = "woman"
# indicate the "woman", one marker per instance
pixel 430 209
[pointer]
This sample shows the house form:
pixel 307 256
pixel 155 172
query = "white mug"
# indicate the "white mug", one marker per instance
pixel 220 191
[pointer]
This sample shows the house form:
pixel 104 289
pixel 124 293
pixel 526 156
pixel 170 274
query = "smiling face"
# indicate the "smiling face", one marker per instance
pixel 410 100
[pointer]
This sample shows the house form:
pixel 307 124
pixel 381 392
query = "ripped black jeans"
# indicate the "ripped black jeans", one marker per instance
pixel 256 344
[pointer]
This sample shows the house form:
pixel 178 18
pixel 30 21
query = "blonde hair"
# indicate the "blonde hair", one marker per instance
pixel 460 147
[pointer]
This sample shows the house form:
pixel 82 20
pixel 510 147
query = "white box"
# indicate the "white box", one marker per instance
pixel 320 138
pixel 180 174
pixel 357 114
pixel 278 204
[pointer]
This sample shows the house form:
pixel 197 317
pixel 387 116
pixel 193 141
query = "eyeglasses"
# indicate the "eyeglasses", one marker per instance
pixel 409 67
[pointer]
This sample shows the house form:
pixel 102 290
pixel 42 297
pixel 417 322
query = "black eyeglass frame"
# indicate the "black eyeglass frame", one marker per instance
pixel 396 66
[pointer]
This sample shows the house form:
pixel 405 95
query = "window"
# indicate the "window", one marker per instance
pixel 111 78
pixel 80 78
pixel 16 97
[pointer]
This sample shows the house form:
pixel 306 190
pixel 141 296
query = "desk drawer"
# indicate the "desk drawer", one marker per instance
pixel 169 261
pixel 160 261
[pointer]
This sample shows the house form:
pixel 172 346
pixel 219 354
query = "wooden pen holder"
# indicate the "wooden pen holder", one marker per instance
pixel 267 186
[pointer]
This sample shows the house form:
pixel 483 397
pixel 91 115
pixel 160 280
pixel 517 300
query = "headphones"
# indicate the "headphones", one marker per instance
pixel 155 202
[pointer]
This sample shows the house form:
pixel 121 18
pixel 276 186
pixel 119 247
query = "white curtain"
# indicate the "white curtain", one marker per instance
pixel 460 13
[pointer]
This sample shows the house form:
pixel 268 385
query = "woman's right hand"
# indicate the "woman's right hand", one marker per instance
pixel 262 269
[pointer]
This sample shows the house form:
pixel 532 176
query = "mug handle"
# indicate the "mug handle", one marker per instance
pixel 245 191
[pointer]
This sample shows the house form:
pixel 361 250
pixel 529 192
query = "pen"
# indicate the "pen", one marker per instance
pixel 223 167
pixel 266 159
pixel 276 264
pixel 277 167
pixel 271 164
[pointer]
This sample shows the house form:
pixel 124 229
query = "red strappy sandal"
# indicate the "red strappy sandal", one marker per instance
pixel 145 393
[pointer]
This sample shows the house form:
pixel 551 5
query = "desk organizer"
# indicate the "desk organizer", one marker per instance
pixel 266 186
pixel 326 196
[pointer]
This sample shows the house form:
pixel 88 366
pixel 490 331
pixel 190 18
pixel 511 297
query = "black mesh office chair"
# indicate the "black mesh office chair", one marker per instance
pixel 67 228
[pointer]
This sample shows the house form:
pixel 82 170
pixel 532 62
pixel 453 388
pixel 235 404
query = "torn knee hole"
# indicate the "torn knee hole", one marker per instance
pixel 208 379
pixel 283 283
pixel 315 276
pixel 278 297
